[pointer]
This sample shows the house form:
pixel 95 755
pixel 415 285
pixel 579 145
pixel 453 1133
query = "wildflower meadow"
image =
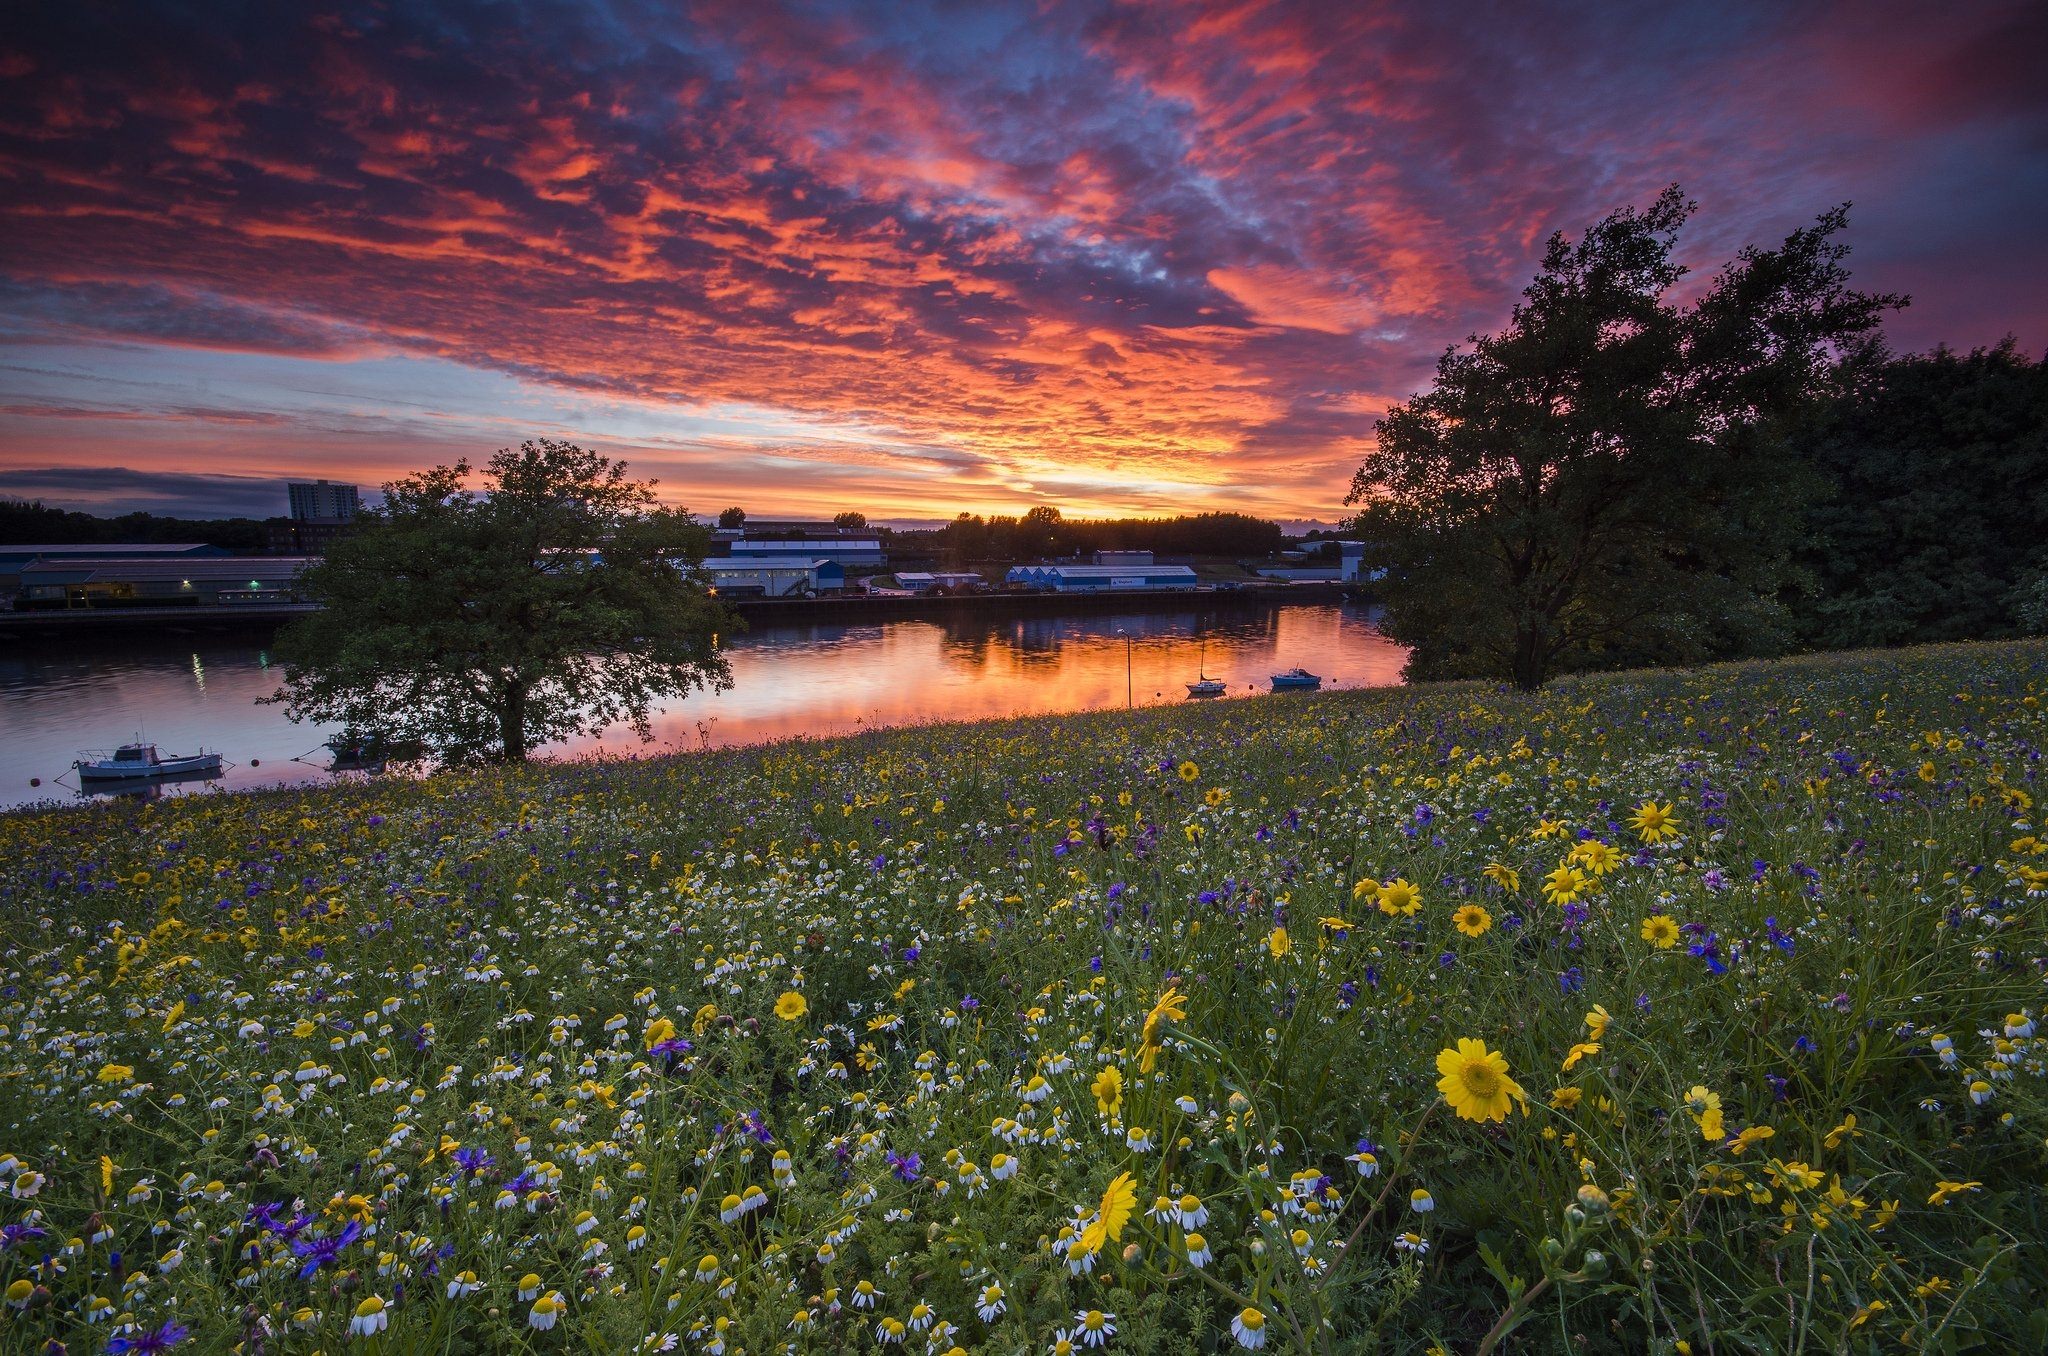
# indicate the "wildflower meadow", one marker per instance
pixel 1672 1012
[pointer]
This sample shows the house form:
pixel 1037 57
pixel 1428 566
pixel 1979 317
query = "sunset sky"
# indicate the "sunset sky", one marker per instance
pixel 915 258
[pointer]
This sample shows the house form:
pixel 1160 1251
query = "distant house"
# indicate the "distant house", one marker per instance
pixel 135 580
pixel 774 576
pixel 845 550
pixel 1101 578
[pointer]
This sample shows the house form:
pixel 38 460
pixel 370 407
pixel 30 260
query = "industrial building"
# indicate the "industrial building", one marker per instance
pixel 13 559
pixel 136 580
pixel 1101 578
pixel 844 550
pixel 774 577
pixel 938 581
pixel 1123 558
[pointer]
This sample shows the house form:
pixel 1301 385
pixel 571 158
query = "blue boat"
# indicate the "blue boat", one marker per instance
pixel 1296 680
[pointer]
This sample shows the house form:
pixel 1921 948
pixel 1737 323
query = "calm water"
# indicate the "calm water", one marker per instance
pixel 57 699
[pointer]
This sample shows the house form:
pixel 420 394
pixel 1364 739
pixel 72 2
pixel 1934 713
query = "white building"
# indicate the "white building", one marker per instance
pixel 774 577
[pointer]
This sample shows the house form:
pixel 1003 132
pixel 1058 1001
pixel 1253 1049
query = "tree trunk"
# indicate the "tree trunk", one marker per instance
pixel 512 724
pixel 1531 657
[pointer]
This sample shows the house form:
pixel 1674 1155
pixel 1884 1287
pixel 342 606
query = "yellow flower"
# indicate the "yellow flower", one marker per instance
pixel 1215 796
pixel 1472 920
pixel 1660 931
pixel 1506 877
pixel 791 1006
pixel 1564 885
pixel 1475 1082
pixel 116 1073
pixel 1189 772
pixel 1119 1199
pixel 1365 889
pixel 1654 822
pixel 659 1030
pixel 1171 1007
pixel 1596 1022
pixel 107 1171
pixel 1600 858
pixel 1397 896
pixel 1108 1088
pixel 1579 1052
pixel 1944 1190
pixel 1278 943
pixel 1567 1099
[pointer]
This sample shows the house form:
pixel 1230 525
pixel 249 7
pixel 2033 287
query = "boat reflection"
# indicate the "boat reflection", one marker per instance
pixel 143 788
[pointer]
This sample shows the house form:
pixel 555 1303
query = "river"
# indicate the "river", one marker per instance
pixel 61 696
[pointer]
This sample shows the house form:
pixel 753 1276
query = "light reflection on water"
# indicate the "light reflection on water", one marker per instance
pixel 816 679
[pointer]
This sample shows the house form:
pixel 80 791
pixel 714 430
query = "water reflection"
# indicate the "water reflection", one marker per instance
pixel 808 679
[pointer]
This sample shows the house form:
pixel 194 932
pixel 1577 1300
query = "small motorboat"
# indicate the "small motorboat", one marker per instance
pixel 142 763
pixel 370 752
pixel 1204 685
pixel 1296 680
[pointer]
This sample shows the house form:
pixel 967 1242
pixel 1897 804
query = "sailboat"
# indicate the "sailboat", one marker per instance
pixel 1205 686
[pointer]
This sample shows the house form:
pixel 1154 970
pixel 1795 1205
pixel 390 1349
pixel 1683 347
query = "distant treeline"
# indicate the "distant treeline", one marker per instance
pixel 1044 532
pixel 31 523
pixel 1931 473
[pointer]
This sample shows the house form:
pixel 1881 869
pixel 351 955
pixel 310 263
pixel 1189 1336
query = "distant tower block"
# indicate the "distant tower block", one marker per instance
pixel 322 502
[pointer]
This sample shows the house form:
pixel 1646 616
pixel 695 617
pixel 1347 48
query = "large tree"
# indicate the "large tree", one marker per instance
pixel 1602 481
pixel 558 601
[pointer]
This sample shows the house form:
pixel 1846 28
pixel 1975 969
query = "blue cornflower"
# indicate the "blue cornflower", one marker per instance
pixel 163 1339
pixel 318 1252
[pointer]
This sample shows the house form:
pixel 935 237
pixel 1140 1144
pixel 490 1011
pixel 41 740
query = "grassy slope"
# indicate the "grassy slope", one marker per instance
pixel 309 1001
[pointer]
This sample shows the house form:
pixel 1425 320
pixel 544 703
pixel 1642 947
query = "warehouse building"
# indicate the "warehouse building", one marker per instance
pixel 13 559
pixel 1101 578
pixel 844 550
pixel 774 577
pixel 159 581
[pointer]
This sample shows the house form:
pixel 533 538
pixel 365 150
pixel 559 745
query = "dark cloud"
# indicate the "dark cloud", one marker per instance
pixel 176 494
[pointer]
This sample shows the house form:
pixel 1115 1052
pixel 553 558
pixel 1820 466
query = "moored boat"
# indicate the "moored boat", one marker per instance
pixel 1296 679
pixel 142 762
pixel 1204 685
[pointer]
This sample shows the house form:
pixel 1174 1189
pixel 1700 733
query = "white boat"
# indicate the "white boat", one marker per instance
pixel 141 762
pixel 1205 686
pixel 1296 680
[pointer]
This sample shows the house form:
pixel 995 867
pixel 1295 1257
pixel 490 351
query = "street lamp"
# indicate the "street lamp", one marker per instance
pixel 1128 703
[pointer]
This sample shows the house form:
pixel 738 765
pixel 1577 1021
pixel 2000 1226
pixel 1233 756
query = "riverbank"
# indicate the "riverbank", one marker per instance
pixel 66 622
pixel 1172 1016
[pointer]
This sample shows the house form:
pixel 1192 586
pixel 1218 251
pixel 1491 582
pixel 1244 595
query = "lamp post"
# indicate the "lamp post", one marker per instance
pixel 1129 705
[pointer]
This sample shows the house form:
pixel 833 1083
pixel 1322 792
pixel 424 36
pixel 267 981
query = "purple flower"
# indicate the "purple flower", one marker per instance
pixel 1781 940
pixel 19 1233
pixel 906 1166
pixel 163 1339
pixel 319 1252
pixel 1709 950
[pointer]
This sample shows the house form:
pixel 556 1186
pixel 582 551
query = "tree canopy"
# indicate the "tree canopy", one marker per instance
pixel 1934 469
pixel 558 601
pixel 1603 481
